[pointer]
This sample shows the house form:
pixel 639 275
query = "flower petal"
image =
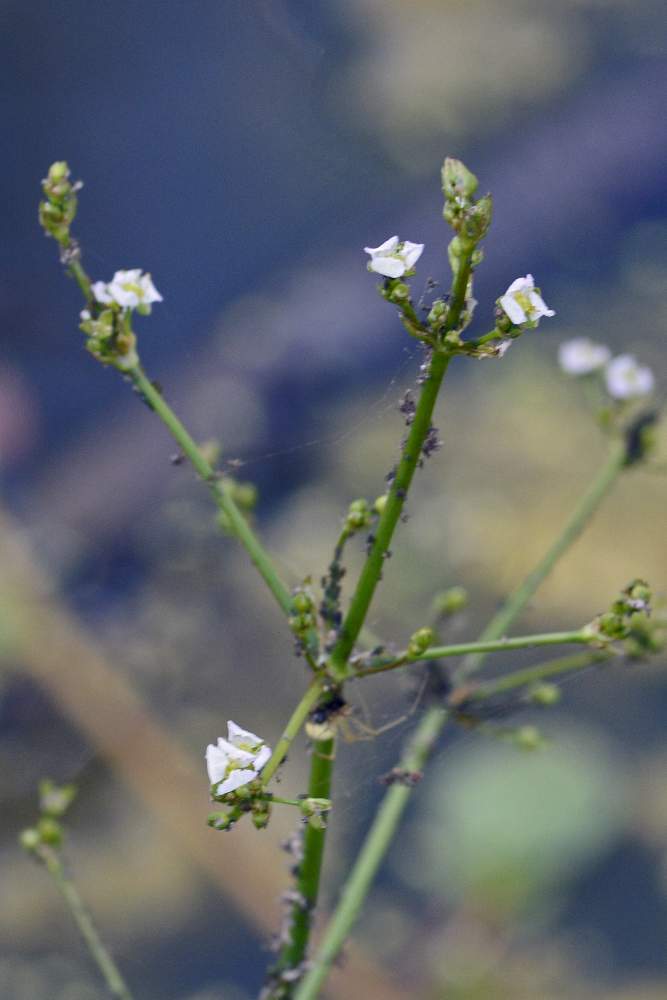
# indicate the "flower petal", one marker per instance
pixel 389 246
pixel 235 780
pixel 411 253
pixel 216 763
pixel 262 758
pixel 512 307
pixel 100 290
pixel 239 736
pixel 389 267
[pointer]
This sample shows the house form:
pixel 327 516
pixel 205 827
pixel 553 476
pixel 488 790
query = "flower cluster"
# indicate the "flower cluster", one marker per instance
pixel 624 377
pixel 237 760
pixel 129 290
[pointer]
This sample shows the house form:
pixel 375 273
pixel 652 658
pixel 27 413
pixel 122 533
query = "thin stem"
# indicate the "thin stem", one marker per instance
pixel 369 859
pixel 372 569
pixel 105 963
pixel 218 490
pixel 395 800
pixel 491 646
pixel 309 871
pixel 278 800
pixel 296 720
pixel 83 281
pixel 582 514
pixel 538 673
pixel 412 452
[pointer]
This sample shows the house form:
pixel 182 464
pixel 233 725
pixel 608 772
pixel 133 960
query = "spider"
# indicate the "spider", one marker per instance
pixel 336 715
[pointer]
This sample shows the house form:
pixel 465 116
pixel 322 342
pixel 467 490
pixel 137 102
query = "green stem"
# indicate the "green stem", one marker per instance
pixel 491 646
pixel 389 815
pixel 105 963
pixel 538 673
pixel 296 720
pixel 278 800
pixel 310 867
pixel 82 280
pixel 224 501
pixel 582 514
pixel 372 569
pixel 369 859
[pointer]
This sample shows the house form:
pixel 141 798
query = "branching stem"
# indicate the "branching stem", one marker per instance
pixel 580 636
pixel 420 745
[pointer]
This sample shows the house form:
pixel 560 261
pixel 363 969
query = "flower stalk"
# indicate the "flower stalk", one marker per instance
pixel 577 637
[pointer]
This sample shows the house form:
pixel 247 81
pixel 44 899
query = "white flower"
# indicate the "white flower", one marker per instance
pixel 237 760
pixel 626 379
pixel 581 356
pixel 128 289
pixel 393 258
pixel 523 303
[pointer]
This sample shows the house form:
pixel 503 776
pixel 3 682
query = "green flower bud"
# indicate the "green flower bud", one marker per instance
pixel 457 180
pixel 222 820
pixel 358 516
pixel 302 602
pixel 245 495
pixel 450 601
pixel 420 641
pixel 611 625
pixel 478 219
pixel 380 503
pixel 437 314
pixel 545 694
pixel 50 831
pixel 30 839
pixel 528 738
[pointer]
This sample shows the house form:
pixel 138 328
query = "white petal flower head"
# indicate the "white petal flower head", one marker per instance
pixel 129 290
pixel 237 760
pixel 582 356
pixel 393 258
pixel 523 303
pixel 626 379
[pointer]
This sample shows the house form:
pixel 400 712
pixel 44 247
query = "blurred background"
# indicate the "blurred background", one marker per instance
pixel 244 153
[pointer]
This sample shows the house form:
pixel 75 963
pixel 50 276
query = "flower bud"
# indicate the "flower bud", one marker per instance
pixel 420 641
pixel 358 516
pixel 457 180
pixel 30 839
pixel 260 820
pixel 437 314
pixel 50 831
pixel 450 602
pixel 302 602
pixel 222 820
pixel 545 694
pixel 477 221
pixel 528 738
pixel 380 503
pixel 244 495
